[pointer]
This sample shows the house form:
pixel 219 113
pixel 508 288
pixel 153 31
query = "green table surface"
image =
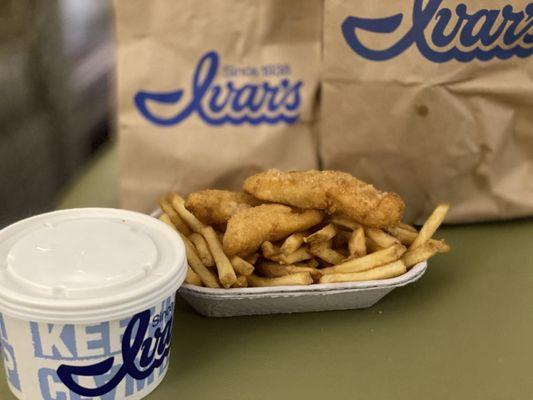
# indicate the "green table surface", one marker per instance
pixel 463 331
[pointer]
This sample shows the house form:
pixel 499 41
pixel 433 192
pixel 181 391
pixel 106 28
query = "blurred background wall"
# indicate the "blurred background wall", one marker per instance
pixel 56 62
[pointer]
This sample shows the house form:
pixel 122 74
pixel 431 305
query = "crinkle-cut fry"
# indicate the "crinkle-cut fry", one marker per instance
pixel 357 243
pixel 301 254
pixel 193 259
pixel 252 258
pixel 421 253
pixel 431 225
pixel 326 254
pixel 178 222
pixel 369 261
pixel 202 249
pixel 391 270
pixel 241 267
pixel 226 273
pixel 322 235
pixel 407 227
pixel 300 278
pixel 381 238
pixel 179 205
pixel 292 243
pixel 241 282
pixel 271 269
pixel 344 221
pixel 192 277
pixel 270 250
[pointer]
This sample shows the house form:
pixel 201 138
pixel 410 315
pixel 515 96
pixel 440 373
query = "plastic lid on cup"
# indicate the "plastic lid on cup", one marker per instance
pixel 87 265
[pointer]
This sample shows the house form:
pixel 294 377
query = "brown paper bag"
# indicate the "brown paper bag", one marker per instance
pixel 432 99
pixel 213 91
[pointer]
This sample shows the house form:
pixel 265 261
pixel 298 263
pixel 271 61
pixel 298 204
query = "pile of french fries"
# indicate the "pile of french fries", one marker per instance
pixel 337 250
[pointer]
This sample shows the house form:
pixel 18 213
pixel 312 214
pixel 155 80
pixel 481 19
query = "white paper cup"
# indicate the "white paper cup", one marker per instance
pixel 86 303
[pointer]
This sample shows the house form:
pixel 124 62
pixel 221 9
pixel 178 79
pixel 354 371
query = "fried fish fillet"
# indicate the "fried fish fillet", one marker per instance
pixel 332 191
pixel 249 228
pixel 213 206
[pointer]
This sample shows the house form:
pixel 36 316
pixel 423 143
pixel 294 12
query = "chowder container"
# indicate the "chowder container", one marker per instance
pixel 86 303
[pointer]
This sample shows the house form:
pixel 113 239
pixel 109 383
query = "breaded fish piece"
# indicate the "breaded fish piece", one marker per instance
pixel 213 206
pixel 249 228
pixel 332 191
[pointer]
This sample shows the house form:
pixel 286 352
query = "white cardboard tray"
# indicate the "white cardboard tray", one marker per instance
pixel 293 299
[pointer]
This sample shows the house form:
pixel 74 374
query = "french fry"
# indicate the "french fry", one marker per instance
pixel 226 274
pixel 206 276
pixel 312 263
pixel 381 238
pixel 341 251
pixel 179 205
pixel 357 244
pixel 322 251
pixel 272 270
pixel 322 235
pixel 372 246
pixel 407 227
pixel 241 282
pixel 193 259
pixel 395 268
pixel 300 278
pixel 292 243
pixel 421 253
pixel 344 221
pixel 407 237
pixel 252 258
pixel 202 249
pixel 367 262
pixel 341 239
pixel 192 277
pixel 431 225
pixel 242 267
pixel 270 250
pixel 442 245
pixel 167 208
pixel 299 255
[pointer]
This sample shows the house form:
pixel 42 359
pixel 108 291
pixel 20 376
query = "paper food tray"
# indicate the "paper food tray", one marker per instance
pixel 293 299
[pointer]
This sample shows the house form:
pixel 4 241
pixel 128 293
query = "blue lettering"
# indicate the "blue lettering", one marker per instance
pixel 47 381
pixel 56 342
pixel 104 341
pixel 10 364
pixel 152 352
pixel 218 104
pixel 477 32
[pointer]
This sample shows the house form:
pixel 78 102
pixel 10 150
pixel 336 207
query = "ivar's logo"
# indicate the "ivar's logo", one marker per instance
pixel 224 103
pixel 442 34
pixel 141 355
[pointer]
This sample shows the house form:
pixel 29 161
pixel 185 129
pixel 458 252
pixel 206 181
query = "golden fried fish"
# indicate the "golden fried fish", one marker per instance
pixel 332 191
pixel 217 206
pixel 249 228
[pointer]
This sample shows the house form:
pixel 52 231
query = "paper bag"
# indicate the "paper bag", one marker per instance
pixel 434 100
pixel 210 92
